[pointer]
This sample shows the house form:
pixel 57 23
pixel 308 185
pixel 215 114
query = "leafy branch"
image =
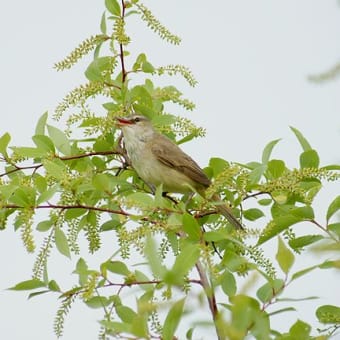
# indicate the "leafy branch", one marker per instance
pixel 84 170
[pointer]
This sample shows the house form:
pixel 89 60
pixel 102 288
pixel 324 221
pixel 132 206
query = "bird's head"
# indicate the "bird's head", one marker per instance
pixel 136 125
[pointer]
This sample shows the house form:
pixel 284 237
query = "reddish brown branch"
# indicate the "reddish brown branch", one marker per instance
pixel 63 158
pixel 65 207
pixel 257 194
pixel 89 154
pixel 210 294
pixel 137 283
pixel 121 50
pixel 324 229
pixel 19 168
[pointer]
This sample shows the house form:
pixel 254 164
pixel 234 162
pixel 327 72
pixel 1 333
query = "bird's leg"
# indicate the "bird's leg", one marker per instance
pixel 165 194
pixel 151 187
pixel 123 153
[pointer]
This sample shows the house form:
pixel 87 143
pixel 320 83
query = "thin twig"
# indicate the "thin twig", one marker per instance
pixel 66 207
pixel 209 292
pixel 137 283
pixel 257 194
pixel 324 230
pixel 62 158
pixel 121 49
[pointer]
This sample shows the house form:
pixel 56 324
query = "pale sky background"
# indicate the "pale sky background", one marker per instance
pixel 251 58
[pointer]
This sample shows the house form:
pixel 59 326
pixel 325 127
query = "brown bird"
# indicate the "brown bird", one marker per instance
pixel 158 160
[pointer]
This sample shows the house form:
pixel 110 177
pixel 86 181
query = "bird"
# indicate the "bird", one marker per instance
pixel 159 161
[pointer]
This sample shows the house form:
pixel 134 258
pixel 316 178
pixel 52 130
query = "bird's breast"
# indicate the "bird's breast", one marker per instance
pixel 154 172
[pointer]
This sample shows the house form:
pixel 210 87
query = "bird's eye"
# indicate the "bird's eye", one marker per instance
pixel 137 119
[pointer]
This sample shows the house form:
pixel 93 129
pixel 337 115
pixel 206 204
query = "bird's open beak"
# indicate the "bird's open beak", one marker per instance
pixel 123 121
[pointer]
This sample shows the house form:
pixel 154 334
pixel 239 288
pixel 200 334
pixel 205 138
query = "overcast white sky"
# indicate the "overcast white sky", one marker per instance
pixel 251 58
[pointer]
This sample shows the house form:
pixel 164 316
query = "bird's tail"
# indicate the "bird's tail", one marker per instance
pixel 227 212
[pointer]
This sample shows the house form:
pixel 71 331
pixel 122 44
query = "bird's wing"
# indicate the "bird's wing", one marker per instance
pixel 171 155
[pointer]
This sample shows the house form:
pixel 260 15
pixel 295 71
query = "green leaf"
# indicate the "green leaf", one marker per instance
pixel 283 310
pixel 141 199
pixel 300 330
pixel 139 60
pixel 29 152
pixel 330 264
pixel 276 168
pixel 333 208
pixel 163 120
pixel 94 71
pixel 186 138
pixel 309 159
pixel 140 327
pixel 82 271
pixel 253 214
pixel 215 236
pixel 47 195
pixel 297 299
pixel 189 334
pixel 141 277
pixel 328 314
pixel 191 227
pixel 268 150
pixel 302 241
pixel 302 140
pixel 103 24
pixel 40 182
pixel 228 283
pixel 59 139
pixel 186 259
pixel 335 228
pixel 23 197
pixel 247 316
pixel 284 256
pixel 117 267
pixel 28 285
pixel 43 143
pixel 40 127
pixel 97 50
pixel 98 302
pixel 53 286
pixel 276 226
pixel 55 168
pixel 126 314
pixel 265 201
pixel 147 67
pixel 256 174
pixel 305 213
pixel 44 225
pixel 159 200
pixel 234 262
pixel 331 167
pixel 110 225
pixel 116 327
pixel 7 190
pixel 113 7
pixel 154 260
pixel 4 141
pixel 32 295
pixel 103 182
pixel 61 242
pixel 172 320
pixel 270 290
pixel 139 94
pixel 71 214
pixel 303 272
pixel 218 165
pixel 280 197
